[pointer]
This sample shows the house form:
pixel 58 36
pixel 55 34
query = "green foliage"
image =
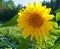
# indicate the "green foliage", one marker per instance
pixel 57 16
pixel 55 32
pixel 1 6
pixel 12 22
pixel 57 5
pixel 6 13
pixel 24 43
pixel 8 10
pixel 56 25
pixel 47 42
pixel 11 4
pixel 57 44
pixel 58 10
pixel 10 37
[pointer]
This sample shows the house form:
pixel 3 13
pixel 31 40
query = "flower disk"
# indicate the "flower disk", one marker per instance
pixel 36 21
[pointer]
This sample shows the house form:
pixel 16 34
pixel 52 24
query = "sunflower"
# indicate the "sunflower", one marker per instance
pixel 36 21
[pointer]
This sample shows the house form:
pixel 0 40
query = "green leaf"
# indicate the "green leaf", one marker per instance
pixel 58 39
pixel 58 10
pixel 57 44
pixel 23 43
pixel 11 22
pixel 57 16
pixel 55 25
pixel 8 48
pixel 55 32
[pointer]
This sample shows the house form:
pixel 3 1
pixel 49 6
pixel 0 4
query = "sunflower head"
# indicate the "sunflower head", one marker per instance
pixel 36 21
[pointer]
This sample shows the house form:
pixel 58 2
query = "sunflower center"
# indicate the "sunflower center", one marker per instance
pixel 35 20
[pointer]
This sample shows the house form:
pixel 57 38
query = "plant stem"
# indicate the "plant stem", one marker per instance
pixel 34 44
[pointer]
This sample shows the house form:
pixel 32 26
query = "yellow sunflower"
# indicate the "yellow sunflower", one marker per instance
pixel 36 21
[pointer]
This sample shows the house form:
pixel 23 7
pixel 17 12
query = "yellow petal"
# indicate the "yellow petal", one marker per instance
pixel 32 36
pixel 44 31
pixel 47 11
pixel 48 17
pixel 29 5
pixel 37 33
pixel 27 32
